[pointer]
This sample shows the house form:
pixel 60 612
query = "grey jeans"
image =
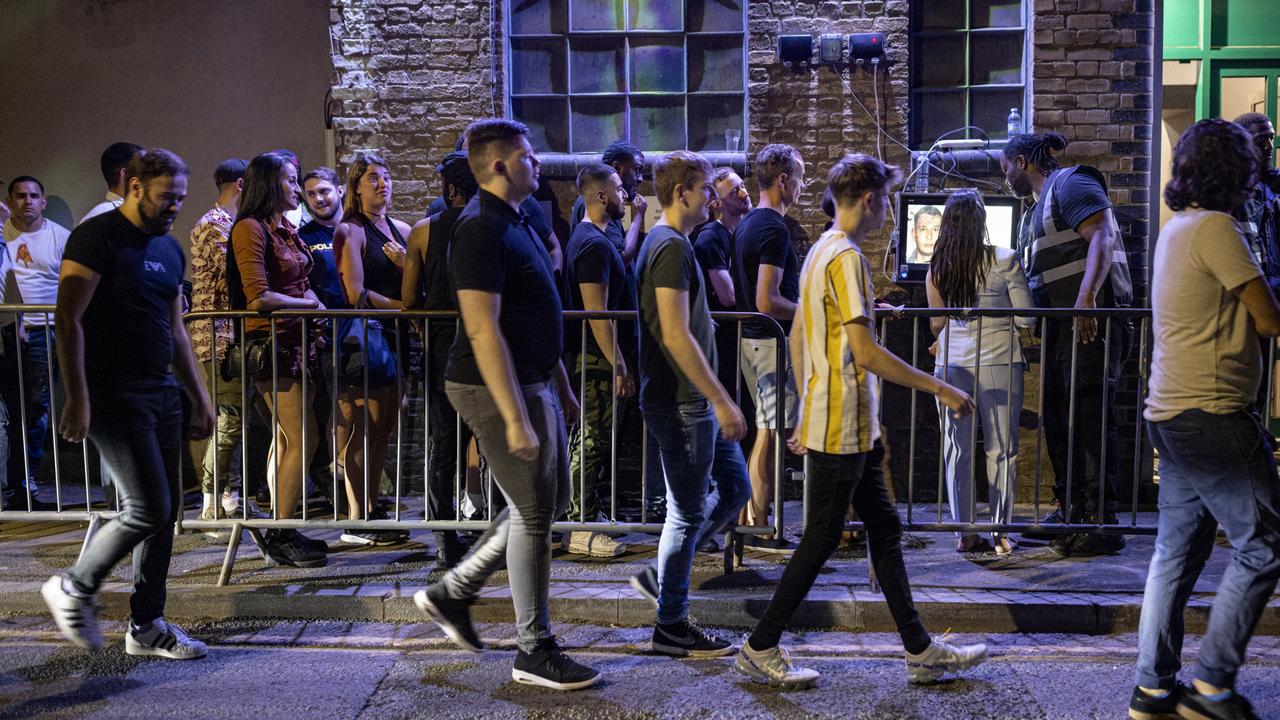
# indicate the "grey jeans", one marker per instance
pixel 537 492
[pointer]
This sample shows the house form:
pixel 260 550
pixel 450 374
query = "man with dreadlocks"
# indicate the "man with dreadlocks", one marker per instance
pixel 1073 257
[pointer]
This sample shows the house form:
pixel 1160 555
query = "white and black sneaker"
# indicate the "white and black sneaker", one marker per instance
pixel 646 583
pixel 547 666
pixel 452 616
pixel 76 615
pixel 163 639
pixel 942 657
pixel 684 639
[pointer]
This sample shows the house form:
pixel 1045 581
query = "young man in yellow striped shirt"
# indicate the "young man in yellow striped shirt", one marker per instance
pixel 838 361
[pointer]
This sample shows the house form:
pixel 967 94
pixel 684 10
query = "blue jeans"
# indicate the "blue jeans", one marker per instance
pixel 139 436
pixel 39 385
pixel 1214 470
pixel 693 454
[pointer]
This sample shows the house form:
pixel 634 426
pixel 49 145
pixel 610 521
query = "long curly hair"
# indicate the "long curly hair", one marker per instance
pixel 962 256
pixel 1215 166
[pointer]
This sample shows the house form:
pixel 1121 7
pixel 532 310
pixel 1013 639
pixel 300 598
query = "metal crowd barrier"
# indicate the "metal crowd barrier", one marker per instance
pixel 313 324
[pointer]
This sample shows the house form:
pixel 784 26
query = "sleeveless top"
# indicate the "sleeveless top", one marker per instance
pixel 380 274
pixel 437 285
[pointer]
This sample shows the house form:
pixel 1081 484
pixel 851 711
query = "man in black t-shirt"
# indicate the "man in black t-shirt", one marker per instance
pixel 1073 257
pixel 628 161
pixel 505 379
pixel 595 279
pixel 694 419
pixel 120 340
pixel 767 280
pixel 713 247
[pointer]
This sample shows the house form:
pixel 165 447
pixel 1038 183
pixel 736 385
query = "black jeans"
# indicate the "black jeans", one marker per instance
pixel 834 481
pixel 447 438
pixel 1095 393
pixel 139 437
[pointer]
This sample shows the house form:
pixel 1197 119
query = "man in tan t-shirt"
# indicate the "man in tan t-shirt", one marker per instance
pixel 1209 303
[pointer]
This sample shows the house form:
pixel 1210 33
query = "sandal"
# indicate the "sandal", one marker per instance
pixel 973 544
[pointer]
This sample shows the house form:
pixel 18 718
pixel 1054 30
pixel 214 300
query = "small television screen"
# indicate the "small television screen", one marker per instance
pixel 920 219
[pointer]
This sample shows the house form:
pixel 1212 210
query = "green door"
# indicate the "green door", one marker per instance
pixel 1240 86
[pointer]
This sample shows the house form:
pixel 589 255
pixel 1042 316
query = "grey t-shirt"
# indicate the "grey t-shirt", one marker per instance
pixel 1207 356
pixel 667 260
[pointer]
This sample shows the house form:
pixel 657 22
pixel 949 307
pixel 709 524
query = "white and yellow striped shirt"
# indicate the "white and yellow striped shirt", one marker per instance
pixel 840 404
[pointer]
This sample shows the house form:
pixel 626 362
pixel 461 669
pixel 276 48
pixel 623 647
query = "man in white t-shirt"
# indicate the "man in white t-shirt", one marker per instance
pixel 115 160
pixel 33 247
pixel 1209 303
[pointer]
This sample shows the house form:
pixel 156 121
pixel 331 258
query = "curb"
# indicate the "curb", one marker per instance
pixel 617 604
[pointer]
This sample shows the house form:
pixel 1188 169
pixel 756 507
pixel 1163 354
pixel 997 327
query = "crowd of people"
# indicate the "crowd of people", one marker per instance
pixel 278 239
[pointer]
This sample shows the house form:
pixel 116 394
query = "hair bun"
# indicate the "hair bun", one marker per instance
pixel 1055 141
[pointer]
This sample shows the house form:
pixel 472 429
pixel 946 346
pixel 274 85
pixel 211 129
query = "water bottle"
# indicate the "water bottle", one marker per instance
pixel 922 172
pixel 1015 122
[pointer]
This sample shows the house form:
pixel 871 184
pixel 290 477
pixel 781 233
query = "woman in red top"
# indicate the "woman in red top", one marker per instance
pixel 272 265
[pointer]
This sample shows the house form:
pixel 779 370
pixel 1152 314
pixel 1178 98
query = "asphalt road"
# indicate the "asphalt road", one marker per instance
pixel 381 670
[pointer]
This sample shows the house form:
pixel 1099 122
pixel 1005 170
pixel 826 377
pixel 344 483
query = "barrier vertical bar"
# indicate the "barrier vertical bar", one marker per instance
pixel 1137 429
pixel 1044 344
pixel 364 461
pixel 213 438
pixel 613 428
pixel 245 382
pixel 400 393
pixel 1071 417
pixel 584 327
pixel 1102 459
pixel 52 422
pixel 275 421
pixel 22 407
pixel 305 412
pixel 942 412
pixel 426 419
pixel 1009 472
pixel 339 469
pixel 911 439
pixel 779 434
pixel 973 426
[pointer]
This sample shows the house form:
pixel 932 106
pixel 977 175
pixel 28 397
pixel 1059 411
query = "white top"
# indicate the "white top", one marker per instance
pixel 1005 286
pixel 8 287
pixel 1207 355
pixel 36 259
pixel 112 202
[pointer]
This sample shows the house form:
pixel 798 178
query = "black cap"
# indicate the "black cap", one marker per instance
pixel 229 171
pixel 455 171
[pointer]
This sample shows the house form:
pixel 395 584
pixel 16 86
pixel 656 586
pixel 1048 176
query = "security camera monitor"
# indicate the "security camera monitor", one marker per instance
pixel 920 220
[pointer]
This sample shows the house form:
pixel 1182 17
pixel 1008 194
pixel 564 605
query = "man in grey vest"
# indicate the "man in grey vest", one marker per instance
pixel 1073 257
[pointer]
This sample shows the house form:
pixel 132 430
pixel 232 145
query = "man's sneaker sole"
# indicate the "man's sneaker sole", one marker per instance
pixel 133 647
pixel 277 562
pixel 744 666
pixel 918 674
pixel 1140 715
pixel 353 539
pixel 428 608
pixel 53 594
pixel 678 651
pixel 528 678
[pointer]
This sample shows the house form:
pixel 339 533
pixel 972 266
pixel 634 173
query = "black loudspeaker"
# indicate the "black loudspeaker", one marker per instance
pixel 795 49
pixel 865 46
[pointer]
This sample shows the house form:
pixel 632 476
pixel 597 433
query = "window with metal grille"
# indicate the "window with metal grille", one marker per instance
pixel 969 66
pixel 663 74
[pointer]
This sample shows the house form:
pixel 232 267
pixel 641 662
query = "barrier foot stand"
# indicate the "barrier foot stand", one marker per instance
pixel 229 560
pixel 871 576
pixel 95 521
pixel 728 552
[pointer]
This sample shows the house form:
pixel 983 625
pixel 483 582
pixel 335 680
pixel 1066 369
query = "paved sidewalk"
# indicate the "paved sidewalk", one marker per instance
pixel 1032 590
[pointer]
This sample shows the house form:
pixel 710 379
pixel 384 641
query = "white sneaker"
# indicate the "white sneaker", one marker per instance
pixel 231 504
pixel 773 667
pixel 163 639
pixel 214 512
pixel 942 657
pixel 595 544
pixel 75 615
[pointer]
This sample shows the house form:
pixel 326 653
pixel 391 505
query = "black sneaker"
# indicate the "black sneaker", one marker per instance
pixel 288 547
pixel 371 538
pixel 381 514
pixel 646 583
pixel 1095 544
pixel 1147 707
pixel 1233 707
pixel 548 667
pixel 775 545
pixel 452 616
pixel 710 546
pixel 1057 517
pixel 684 639
pixel 316 544
pixel 1062 544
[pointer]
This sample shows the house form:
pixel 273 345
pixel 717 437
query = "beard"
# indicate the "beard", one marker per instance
pixel 1021 186
pixel 333 210
pixel 154 220
pixel 615 211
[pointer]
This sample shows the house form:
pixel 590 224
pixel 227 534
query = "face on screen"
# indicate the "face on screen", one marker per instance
pixel 924 231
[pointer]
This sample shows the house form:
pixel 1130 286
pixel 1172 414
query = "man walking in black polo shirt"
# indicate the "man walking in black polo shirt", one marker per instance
pixel 506 381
